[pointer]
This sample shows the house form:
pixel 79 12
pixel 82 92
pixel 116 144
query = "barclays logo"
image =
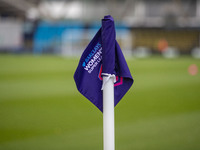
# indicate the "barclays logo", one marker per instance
pixel 84 64
pixel 91 54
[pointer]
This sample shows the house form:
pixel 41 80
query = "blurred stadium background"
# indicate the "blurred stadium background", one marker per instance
pixel 40 107
pixel 66 26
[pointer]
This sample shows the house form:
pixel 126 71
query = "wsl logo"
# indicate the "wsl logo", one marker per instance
pixel 119 80
pixel 93 59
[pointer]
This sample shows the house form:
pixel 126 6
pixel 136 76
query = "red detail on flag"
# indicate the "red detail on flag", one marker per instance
pixel 120 82
pixel 100 71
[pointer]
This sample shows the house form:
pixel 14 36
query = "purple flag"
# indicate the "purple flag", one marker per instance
pixel 103 56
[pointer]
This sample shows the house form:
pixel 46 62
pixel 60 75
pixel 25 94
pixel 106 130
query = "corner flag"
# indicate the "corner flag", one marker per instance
pixel 103 57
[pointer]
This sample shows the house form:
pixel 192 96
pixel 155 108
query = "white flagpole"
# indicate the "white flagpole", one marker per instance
pixel 108 114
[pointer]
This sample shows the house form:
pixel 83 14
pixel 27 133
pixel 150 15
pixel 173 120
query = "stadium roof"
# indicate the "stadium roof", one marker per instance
pixel 135 13
pixel 16 8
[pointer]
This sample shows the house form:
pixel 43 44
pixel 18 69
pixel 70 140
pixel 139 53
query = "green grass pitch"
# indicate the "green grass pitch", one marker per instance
pixel 41 109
